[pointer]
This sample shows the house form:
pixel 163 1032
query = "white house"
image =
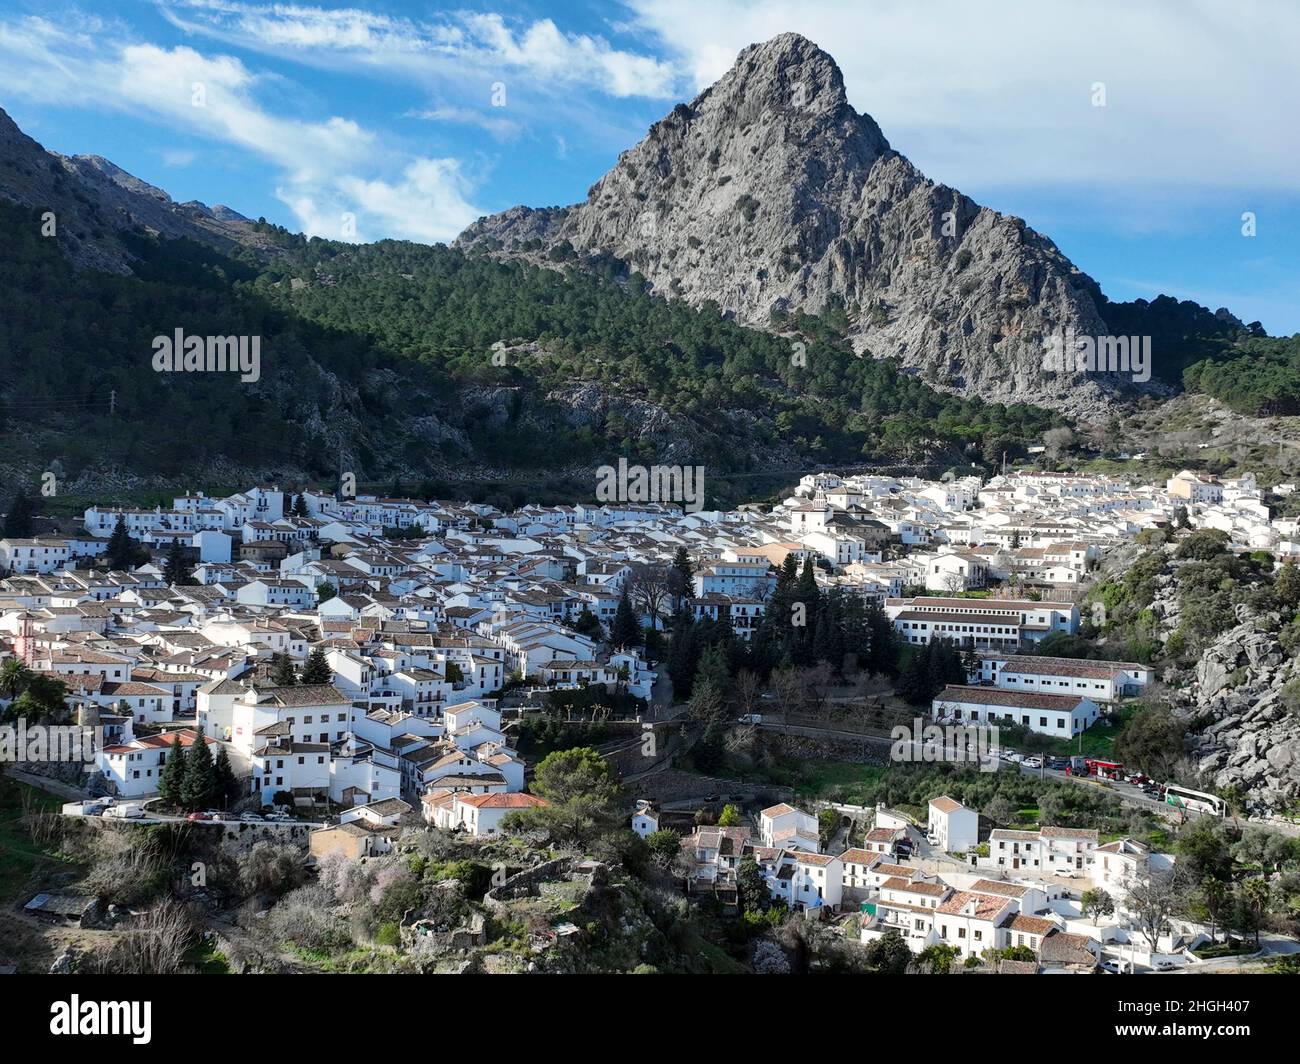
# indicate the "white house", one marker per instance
pixel 482 814
pixel 951 826
pixel 134 768
pixel 1062 716
pixel 645 821
pixel 785 827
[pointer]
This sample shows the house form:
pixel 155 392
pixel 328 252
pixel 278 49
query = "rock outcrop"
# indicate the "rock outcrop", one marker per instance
pixel 1252 740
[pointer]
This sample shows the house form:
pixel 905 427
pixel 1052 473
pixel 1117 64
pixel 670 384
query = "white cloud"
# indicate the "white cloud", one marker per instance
pixel 431 50
pixel 998 95
pixel 328 168
pixel 499 127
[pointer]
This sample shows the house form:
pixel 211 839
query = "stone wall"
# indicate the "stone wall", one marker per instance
pixel 523 884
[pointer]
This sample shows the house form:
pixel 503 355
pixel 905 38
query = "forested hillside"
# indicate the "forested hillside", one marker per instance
pixel 381 357
pixel 1261 378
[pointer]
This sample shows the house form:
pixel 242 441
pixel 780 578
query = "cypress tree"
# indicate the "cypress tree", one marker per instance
pixel 914 682
pixel 121 550
pixel 172 782
pixel 282 672
pixel 318 669
pixel 175 570
pixel 227 786
pixel 199 787
pixel 18 517
pixel 625 630
pixel 682 577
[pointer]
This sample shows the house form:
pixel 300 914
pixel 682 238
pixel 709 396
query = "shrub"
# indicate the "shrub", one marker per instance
pixel 306 918
pixel 271 868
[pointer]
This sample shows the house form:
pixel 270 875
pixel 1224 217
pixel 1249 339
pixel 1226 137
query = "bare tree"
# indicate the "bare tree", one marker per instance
pixel 789 689
pixel 816 682
pixel 1153 900
pixel 155 944
pixel 650 590
pixel 748 688
pixel 1057 440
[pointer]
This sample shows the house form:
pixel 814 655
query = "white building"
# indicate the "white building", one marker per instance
pixel 951 826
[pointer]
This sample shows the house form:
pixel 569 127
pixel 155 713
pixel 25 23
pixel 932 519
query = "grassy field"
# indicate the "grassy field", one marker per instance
pixel 20 856
pixel 812 779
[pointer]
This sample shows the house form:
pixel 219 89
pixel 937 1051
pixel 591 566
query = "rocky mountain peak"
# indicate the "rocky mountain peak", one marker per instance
pixel 95 201
pixel 769 193
pixel 787 71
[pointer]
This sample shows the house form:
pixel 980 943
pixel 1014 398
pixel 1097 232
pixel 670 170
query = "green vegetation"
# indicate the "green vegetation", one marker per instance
pixel 23 851
pixel 409 329
pixel 1260 378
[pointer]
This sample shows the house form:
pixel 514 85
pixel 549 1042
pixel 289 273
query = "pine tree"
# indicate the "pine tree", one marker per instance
pixel 625 630
pixel 318 669
pixel 282 672
pixel 654 644
pixel 175 569
pixel 227 785
pixel 18 517
pixel 1286 585
pixel 712 684
pixel 199 787
pixel 914 682
pixel 683 655
pixel 121 551
pixel 172 781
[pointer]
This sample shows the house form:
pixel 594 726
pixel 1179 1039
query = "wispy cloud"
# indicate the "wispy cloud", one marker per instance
pixel 500 127
pixel 427 50
pixel 330 170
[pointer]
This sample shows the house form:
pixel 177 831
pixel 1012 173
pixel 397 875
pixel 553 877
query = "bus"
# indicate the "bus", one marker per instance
pixel 1104 770
pixel 1198 801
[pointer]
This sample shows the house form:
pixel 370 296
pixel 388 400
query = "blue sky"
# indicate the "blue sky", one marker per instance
pixel 1136 139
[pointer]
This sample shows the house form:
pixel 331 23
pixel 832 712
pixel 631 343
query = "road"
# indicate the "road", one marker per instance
pixel 1130 795
pixel 1126 793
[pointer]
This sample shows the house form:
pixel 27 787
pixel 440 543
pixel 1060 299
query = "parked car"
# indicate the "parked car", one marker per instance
pixel 195 816
pixel 1033 762
pixel 252 818
pixel 278 817
pixel 214 814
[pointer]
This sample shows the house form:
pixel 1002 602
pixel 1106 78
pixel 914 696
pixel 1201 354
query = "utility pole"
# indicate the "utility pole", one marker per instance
pixel 112 402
